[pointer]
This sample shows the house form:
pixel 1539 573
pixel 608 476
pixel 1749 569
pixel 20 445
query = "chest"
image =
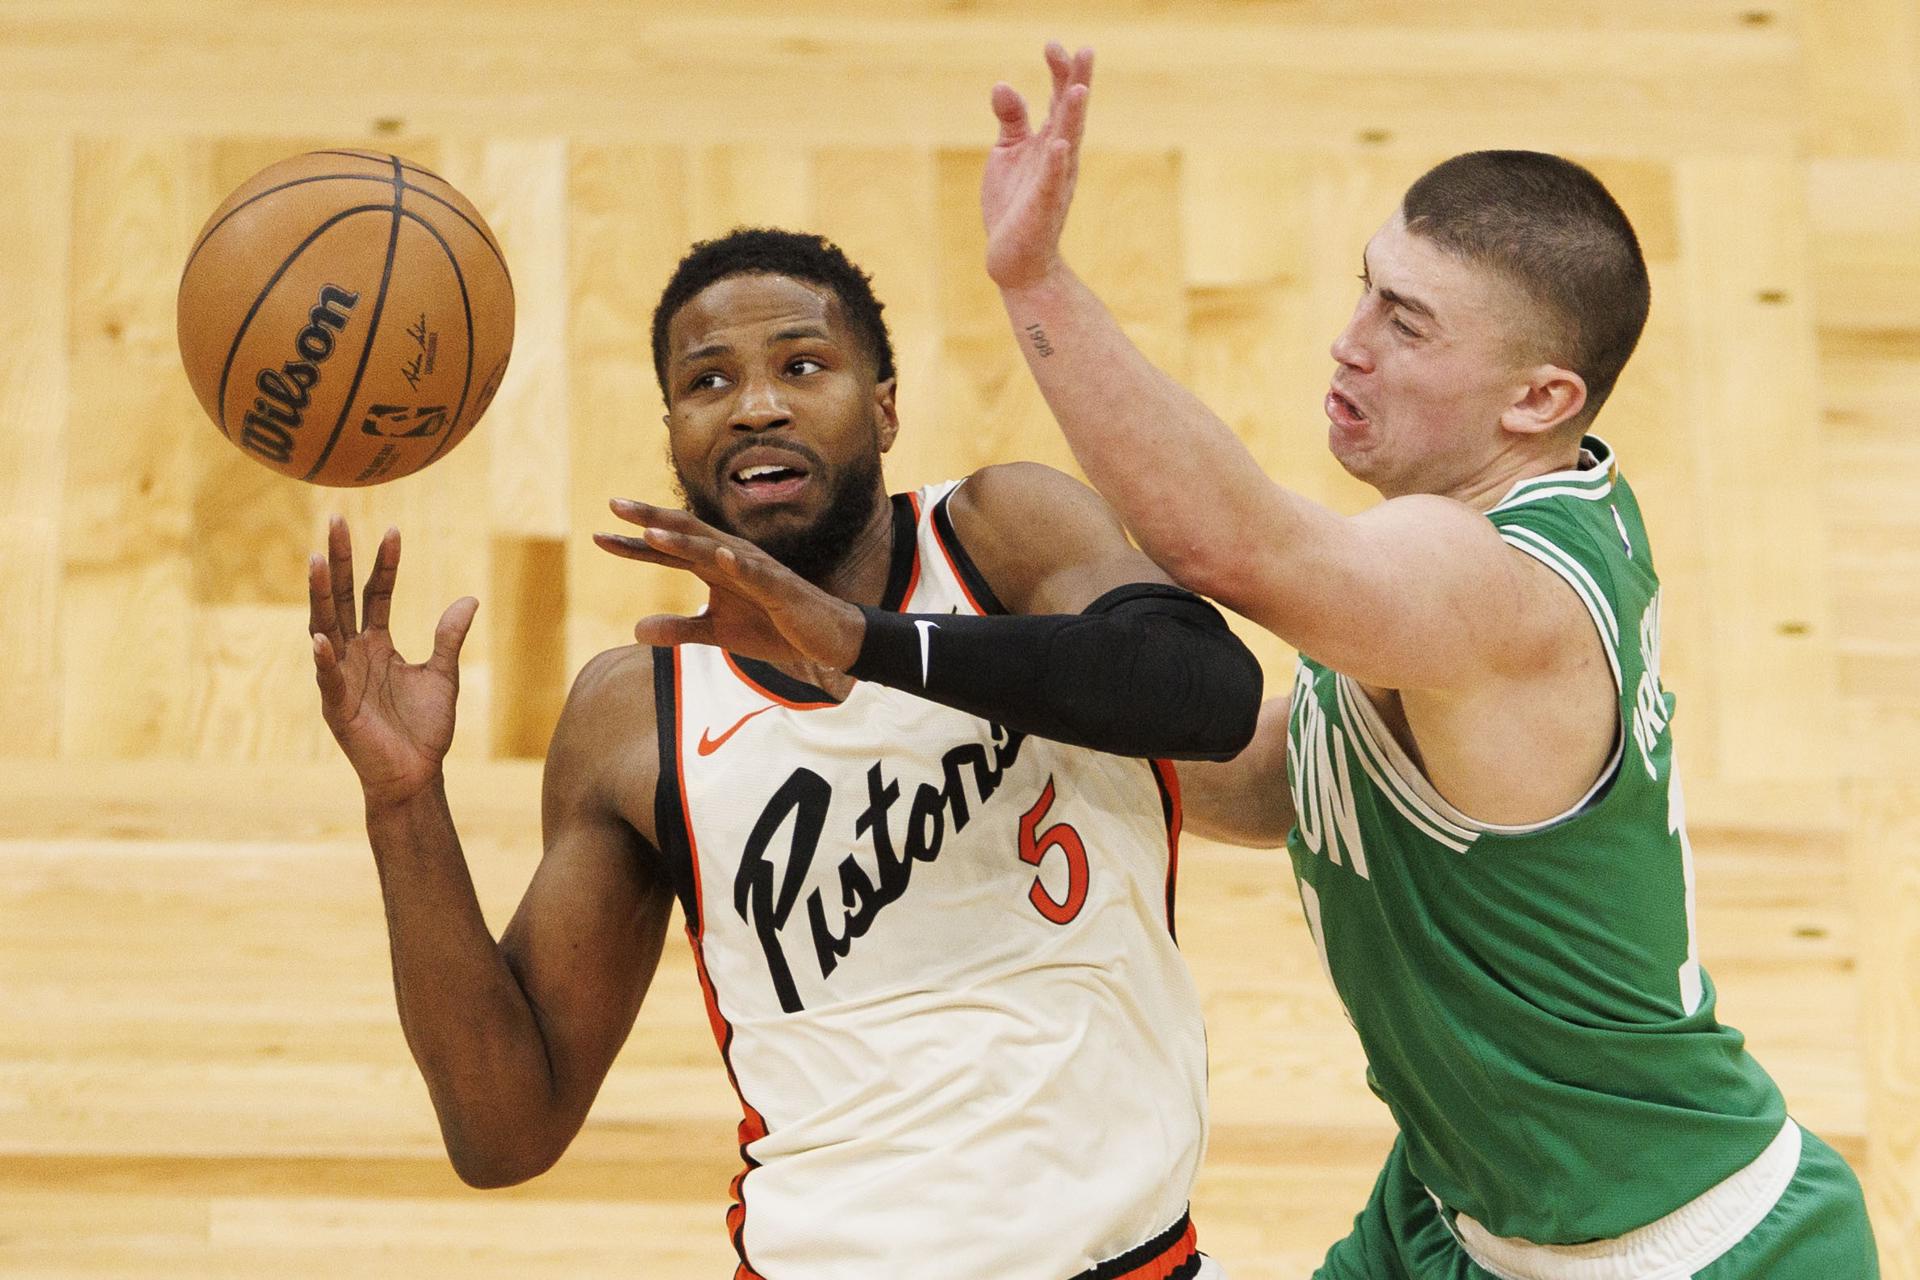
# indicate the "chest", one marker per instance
pixel 845 848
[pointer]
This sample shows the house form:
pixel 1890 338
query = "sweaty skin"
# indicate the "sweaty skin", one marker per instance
pixel 1482 661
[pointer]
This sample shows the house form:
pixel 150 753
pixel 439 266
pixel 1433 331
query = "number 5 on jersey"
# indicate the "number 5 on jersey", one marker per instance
pixel 1034 845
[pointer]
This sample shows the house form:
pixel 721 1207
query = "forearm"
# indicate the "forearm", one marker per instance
pixel 1177 475
pixel 467 1021
pixel 1147 670
pixel 1246 800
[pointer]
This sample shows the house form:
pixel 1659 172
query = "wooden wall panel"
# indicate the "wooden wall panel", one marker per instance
pixel 198 1053
pixel 35 225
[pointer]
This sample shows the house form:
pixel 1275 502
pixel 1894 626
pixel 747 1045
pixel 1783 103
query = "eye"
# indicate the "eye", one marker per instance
pixel 707 381
pixel 804 365
pixel 1366 281
pixel 1405 328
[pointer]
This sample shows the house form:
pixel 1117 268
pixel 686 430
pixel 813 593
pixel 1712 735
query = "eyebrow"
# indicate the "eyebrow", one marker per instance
pixel 785 335
pixel 1397 298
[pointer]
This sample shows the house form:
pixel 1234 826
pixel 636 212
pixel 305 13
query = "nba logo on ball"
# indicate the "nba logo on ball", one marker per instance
pixel 345 317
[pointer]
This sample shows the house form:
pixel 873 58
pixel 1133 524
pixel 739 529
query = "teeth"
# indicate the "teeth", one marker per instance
pixel 756 473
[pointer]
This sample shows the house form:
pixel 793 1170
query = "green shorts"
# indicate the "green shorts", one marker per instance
pixel 1817 1230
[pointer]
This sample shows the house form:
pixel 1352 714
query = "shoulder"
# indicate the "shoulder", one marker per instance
pixel 611 705
pixel 1044 541
pixel 603 762
pixel 614 682
pixel 1528 622
pixel 997 511
pixel 1011 492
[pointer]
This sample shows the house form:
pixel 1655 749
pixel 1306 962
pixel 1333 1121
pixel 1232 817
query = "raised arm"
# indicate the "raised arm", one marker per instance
pixel 1100 651
pixel 512 1038
pixel 1418 593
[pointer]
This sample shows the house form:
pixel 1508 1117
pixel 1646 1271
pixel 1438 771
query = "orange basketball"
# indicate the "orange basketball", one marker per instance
pixel 345 317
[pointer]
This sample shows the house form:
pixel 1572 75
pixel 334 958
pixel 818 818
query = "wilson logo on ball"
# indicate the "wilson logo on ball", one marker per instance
pixel 285 392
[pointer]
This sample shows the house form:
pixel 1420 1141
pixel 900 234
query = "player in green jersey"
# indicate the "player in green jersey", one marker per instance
pixel 1474 771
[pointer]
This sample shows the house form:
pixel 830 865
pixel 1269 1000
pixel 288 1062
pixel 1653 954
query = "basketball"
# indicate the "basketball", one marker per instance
pixel 345 317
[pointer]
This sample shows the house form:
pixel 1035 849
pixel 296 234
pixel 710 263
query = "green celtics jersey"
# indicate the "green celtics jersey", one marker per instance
pixel 1530 998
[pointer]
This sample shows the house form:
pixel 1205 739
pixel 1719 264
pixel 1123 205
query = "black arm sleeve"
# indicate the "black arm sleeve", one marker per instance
pixel 1147 670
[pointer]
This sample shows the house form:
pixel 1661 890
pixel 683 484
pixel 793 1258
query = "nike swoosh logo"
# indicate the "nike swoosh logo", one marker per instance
pixel 926 630
pixel 707 746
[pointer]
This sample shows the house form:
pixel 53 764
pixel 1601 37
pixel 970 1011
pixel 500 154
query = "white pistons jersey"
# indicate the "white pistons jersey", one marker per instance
pixel 940 962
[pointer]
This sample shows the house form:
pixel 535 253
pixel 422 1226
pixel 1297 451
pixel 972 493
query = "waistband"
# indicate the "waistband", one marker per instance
pixel 1669 1248
pixel 1174 1254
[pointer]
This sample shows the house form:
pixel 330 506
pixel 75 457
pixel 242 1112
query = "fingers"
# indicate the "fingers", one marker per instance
pixel 1072 77
pixel 1060 64
pixel 321 620
pixel 1083 66
pixel 1056 177
pixel 1011 109
pixel 671 629
pixel 652 517
pixel 635 549
pixel 451 633
pixel 326 673
pixel 340 565
pixel 378 601
pixel 1073 115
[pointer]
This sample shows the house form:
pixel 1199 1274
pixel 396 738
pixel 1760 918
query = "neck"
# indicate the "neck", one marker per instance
pixel 861 575
pixel 1483 487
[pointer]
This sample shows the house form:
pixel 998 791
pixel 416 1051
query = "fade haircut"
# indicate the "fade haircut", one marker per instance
pixel 769 251
pixel 1551 229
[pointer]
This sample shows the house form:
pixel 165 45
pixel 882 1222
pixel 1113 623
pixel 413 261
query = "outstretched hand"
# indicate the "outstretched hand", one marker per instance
pixel 756 606
pixel 1028 185
pixel 392 718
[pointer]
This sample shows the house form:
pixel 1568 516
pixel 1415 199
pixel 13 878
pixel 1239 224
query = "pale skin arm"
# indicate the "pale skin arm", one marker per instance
pixel 513 1038
pixel 1417 593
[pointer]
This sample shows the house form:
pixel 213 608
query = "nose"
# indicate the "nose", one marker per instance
pixel 761 406
pixel 1348 349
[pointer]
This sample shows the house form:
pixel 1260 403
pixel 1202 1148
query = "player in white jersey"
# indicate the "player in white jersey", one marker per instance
pixel 936 940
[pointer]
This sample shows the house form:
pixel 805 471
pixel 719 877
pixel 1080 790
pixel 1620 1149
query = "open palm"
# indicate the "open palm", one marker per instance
pixel 1028 184
pixel 393 719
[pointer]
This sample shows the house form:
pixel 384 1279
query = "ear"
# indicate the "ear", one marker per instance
pixel 886 415
pixel 1550 397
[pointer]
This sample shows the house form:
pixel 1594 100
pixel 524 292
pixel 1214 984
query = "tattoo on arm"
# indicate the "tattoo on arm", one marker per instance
pixel 1040 343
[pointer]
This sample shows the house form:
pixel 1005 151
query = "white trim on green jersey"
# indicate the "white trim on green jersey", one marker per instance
pixel 1689 1239
pixel 1399 766
pixel 1592 479
pixel 1397 777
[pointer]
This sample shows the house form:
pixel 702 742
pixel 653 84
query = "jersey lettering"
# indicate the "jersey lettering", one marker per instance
pixel 1649 707
pixel 1322 782
pixel 807 797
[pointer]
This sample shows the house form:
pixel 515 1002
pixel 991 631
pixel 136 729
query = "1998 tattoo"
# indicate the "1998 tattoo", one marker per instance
pixel 1040 344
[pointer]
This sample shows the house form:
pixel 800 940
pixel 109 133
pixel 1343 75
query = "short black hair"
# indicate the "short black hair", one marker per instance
pixel 1551 228
pixel 746 251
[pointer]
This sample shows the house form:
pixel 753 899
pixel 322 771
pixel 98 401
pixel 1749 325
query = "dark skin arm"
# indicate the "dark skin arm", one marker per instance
pixel 1045 542
pixel 1244 800
pixel 515 1037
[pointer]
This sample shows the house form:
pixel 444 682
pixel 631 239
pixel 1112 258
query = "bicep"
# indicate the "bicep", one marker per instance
pixel 584 946
pixel 587 937
pixel 1416 593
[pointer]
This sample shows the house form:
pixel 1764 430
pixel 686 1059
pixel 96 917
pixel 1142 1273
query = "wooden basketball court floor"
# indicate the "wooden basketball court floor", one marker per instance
pixel 201 1073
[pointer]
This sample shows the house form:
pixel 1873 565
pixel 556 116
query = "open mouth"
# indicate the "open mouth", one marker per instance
pixel 765 478
pixel 1344 413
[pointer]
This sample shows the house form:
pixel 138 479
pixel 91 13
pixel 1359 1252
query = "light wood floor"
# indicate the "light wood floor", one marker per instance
pixel 201 1073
